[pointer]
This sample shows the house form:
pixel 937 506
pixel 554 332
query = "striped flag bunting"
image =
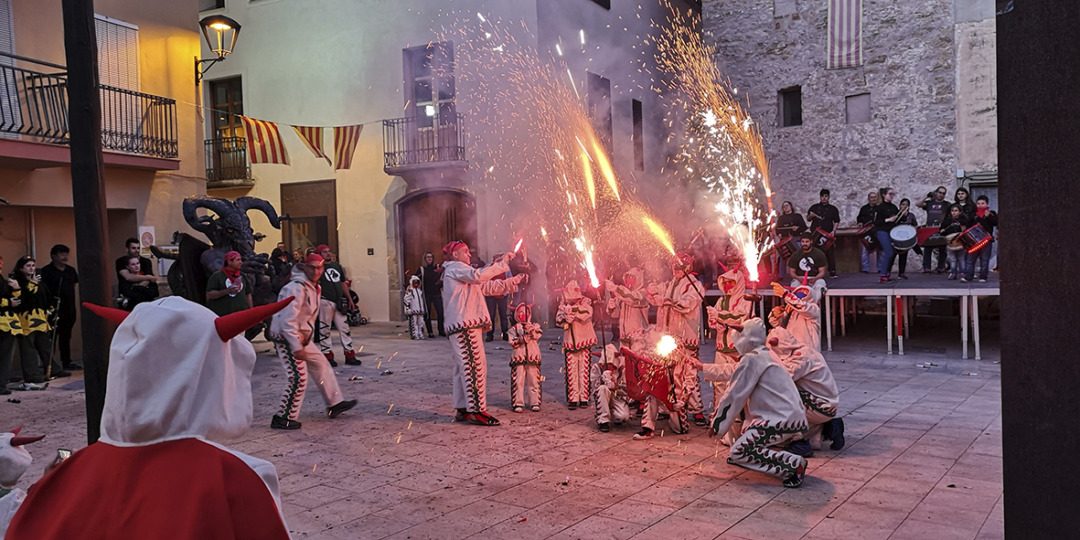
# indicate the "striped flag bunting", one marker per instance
pixel 312 137
pixel 264 142
pixel 845 34
pixel 345 142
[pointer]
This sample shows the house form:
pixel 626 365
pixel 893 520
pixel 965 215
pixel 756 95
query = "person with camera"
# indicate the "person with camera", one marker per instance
pixel 334 304
pixel 36 318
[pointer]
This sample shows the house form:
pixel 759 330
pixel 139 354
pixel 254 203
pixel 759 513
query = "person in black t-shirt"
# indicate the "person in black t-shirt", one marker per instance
pixel 936 209
pixel 60 279
pixel 825 216
pixel 978 263
pixel 866 217
pixel 431 281
pixel 884 220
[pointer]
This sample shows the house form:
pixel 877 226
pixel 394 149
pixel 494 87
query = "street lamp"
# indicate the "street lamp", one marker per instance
pixel 224 31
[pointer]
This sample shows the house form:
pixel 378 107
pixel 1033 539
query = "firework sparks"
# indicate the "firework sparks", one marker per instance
pixel 660 233
pixel 666 345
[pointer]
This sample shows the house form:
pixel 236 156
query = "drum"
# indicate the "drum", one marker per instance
pixel 787 246
pixel 823 239
pixel 952 241
pixel 904 237
pixel 930 237
pixel 974 238
pixel 868 237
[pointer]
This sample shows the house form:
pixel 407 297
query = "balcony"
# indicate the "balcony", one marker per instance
pixel 227 163
pixel 34 111
pixel 423 142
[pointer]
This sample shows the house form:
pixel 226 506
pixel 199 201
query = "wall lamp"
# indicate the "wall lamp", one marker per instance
pixel 220 33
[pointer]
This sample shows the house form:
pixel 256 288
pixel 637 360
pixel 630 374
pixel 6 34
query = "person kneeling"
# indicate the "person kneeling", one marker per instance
pixel 609 389
pixel 817 388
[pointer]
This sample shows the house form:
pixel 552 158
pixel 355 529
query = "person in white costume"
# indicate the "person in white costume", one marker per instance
pixel 525 361
pixel 817 388
pixel 678 314
pixel 800 314
pixel 629 305
pixel 609 389
pixel 575 315
pixel 415 307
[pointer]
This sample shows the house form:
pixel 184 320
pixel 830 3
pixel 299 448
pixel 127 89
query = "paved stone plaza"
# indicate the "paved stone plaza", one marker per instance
pixel 923 455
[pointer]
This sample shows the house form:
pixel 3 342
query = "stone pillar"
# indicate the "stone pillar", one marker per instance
pixel 1039 134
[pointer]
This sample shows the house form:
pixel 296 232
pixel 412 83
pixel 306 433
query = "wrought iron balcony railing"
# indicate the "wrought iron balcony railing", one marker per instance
pixel 34 104
pixel 423 141
pixel 226 159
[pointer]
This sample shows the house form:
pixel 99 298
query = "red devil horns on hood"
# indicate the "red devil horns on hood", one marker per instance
pixel 233 324
pixel 228 327
pixel 19 441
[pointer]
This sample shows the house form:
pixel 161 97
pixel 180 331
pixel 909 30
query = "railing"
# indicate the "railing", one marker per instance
pixel 35 104
pixel 422 140
pixel 226 159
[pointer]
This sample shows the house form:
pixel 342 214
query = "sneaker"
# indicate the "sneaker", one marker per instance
pixel 330 358
pixel 60 375
pixel 832 274
pixel 335 411
pixel 902 276
pixel 796 478
pixel 505 337
pixel 572 406
pixel 963 279
pixel 519 409
pixel 951 276
pixel 461 415
pixel 885 280
pixel 605 427
pixel 283 422
pixel 350 358
pixel 31 386
pixel 645 433
pixel 982 280
pixel 583 404
pixel 535 408
pixel 801 448
pixel 700 421
pixel 837 433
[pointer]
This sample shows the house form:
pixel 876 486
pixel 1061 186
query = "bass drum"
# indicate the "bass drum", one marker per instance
pixel 787 246
pixel 904 237
pixel 868 238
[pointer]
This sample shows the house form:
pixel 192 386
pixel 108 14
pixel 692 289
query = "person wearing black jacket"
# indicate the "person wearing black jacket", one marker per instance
pixel 905 217
pixel 885 218
pixel 988 219
pixel 825 216
pixel 431 281
pixel 963 198
pixel 60 279
pixel 35 315
pixel 866 217
pixel 952 227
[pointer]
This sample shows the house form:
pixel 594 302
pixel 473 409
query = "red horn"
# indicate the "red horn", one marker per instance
pixel 113 315
pixel 805 277
pixel 231 325
pixel 16 430
pixel 19 441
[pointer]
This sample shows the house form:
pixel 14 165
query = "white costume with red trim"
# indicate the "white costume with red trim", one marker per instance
pixel 415 307
pixel 678 314
pixel 802 316
pixel 464 289
pixel 609 387
pixel 812 376
pixel 525 360
pixel 761 391
pixel 575 316
pixel 174 389
pixel 629 304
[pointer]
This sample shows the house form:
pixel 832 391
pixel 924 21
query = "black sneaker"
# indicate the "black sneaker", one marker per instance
pixel 583 404
pixel 832 274
pixel 572 406
pixel 282 422
pixel 837 433
pixel 489 338
pixel 605 427
pixel 335 411
pixel 352 362
pixel 801 448
pixel 795 480
pixel 60 375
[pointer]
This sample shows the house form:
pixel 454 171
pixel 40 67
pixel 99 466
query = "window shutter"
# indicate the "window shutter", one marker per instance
pixel 7 33
pixel 118 53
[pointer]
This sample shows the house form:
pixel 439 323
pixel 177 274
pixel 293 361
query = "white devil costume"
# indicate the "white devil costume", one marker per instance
pixel 525 360
pixel 415 307
pixel 629 305
pixel 801 316
pixel 179 381
pixel 812 376
pixel 575 316
pixel 14 461
pixel 609 388
pixel 467 318
pixel 761 391
pixel 293 330
pixel 678 314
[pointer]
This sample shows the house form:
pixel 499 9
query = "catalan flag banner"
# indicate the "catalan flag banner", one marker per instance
pixel 346 139
pixel 845 34
pixel 312 137
pixel 264 142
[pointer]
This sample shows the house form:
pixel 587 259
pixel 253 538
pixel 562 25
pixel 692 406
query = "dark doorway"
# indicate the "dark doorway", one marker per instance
pixel 312 209
pixel 428 220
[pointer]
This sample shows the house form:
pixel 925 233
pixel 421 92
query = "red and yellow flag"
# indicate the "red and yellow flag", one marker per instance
pixel 264 142
pixel 312 137
pixel 346 139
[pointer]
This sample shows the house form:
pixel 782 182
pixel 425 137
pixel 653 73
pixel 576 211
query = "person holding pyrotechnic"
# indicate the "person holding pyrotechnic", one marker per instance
pixel 658 376
pixel 678 314
pixel 762 392
pixel 817 388
pixel 575 316
pixel 292 331
pixel 629 305
pixel 727 317
pixel 467 318
pixel 415 307
pixel 525 360
pixel 609 389
pixel 800 314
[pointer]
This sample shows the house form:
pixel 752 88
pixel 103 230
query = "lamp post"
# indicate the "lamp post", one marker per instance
pixel 220 33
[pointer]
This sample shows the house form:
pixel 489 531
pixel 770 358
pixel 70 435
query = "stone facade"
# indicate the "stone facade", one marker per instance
pixel 928 68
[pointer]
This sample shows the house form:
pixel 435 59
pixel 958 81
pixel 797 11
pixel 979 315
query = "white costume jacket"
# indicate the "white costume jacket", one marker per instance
pixel 680 316
pixel 803 318
pixel 811 374
pixel 576 316
pixel 523 338
pixel 296 323
pixel 464 289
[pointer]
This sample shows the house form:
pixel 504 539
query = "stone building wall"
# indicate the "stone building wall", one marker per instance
pixel 910 71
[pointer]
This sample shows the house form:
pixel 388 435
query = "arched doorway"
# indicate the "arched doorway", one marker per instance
pixel 429 219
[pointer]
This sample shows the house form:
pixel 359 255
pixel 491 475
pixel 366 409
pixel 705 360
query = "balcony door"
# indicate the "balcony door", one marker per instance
pixel 432 128
pixel 227 149
pixel 312 210
pixel 429 219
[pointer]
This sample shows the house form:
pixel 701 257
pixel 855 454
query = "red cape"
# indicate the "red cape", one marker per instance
pixel 185 488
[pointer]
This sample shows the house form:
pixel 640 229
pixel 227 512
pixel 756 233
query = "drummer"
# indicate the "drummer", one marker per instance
pixel 978 263
pixel 884 220
pixel 824 217
pixel 903 218
pixel 866 217
pixel 809 262
pixel 936 209
pixel 951 228
pixel 788 225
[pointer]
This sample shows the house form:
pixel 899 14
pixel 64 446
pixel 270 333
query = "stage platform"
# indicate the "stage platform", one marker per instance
pixel 899 297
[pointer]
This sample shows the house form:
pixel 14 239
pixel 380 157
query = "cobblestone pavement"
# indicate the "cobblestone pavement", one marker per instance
pixel 923 458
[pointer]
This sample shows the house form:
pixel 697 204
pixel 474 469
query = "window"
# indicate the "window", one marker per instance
pixel 429 84
pixel 857 109
pixel 606 4
pixel 639 135
pixel 206 5
pixel 790 113
pixel 599 103
pixel 227 102
pixel 118 53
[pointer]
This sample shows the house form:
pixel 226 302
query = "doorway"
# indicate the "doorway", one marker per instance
pixel 312 209
pixel 429 219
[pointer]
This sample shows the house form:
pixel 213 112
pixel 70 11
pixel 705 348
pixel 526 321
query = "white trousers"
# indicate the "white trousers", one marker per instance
pixel 299 365
pixel 469 370
pixel 610 406
pixel 524 385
